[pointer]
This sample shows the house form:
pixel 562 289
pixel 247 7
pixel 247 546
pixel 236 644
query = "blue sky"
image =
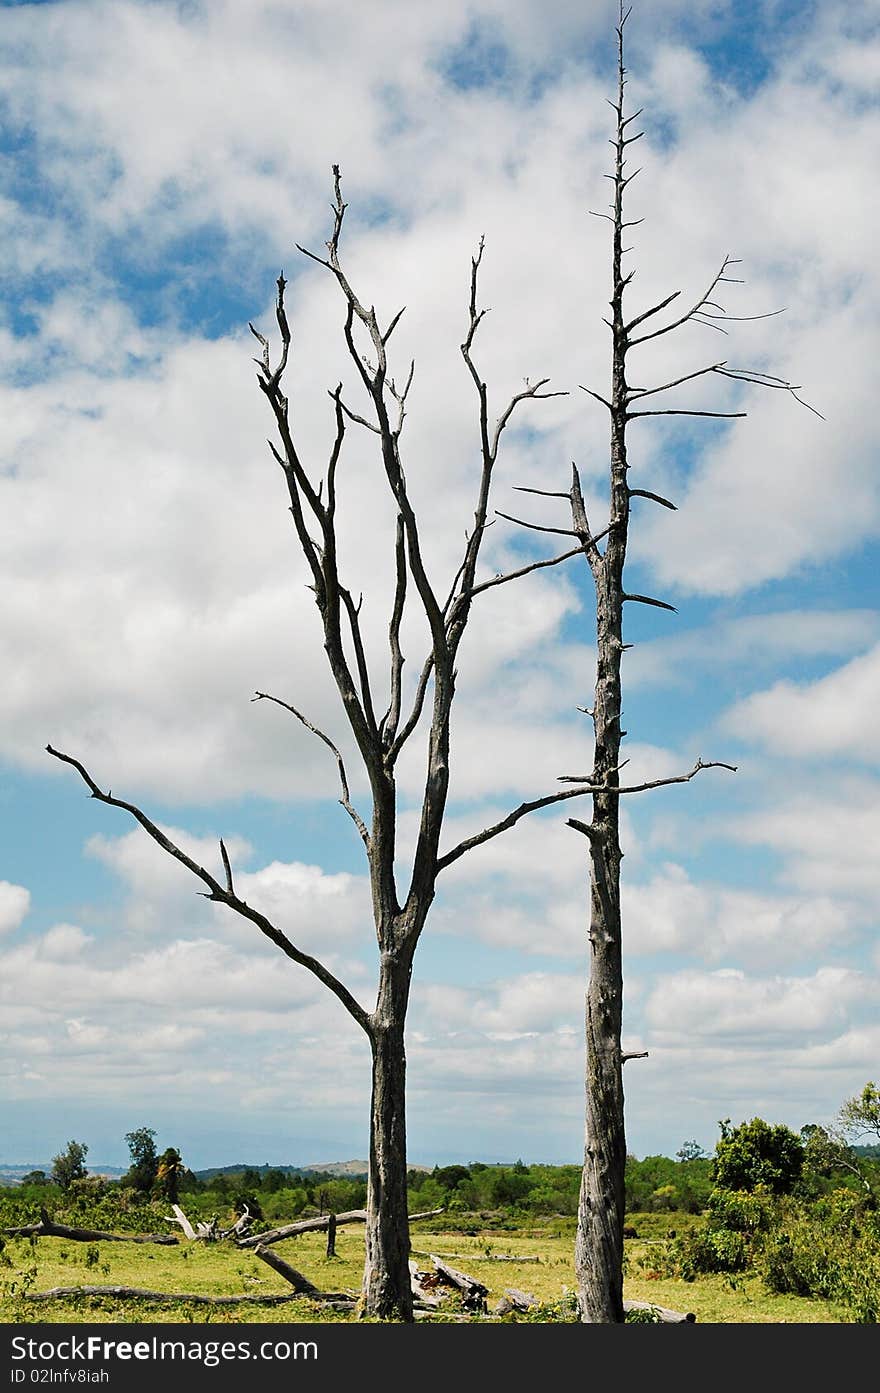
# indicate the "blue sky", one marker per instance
pixel 158 164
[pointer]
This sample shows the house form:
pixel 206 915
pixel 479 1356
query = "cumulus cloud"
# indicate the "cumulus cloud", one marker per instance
pixel 727 1004
pixel 831 718
pixel 755 641
pixel 15 902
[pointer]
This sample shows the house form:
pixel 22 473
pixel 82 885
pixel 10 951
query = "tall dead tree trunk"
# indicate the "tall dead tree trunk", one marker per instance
pixel 599 1238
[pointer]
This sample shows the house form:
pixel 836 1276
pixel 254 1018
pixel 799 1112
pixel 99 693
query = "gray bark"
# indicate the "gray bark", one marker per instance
pixel 387 1287
pixel 599 1239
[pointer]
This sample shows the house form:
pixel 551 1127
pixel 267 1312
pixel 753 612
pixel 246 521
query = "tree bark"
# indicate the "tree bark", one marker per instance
pixel 387 1289
pixel 331 1235
pixel 599 1240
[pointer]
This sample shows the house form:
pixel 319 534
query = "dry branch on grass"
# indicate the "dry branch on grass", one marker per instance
pixel 663 1313
pixel 317 1225
pixel 171 1297
pixel 47 1228
pixel 300 1284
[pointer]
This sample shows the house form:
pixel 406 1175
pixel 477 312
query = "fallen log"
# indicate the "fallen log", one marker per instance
pixel 480 1257
pixel 317 1225
pixel 514 1300
pixel 180 1218
pixel 300 1284
pixel 473 1292
pixel 47 1228
pixel 198 1298
pixel 664 1314
pixel 424 1297
pixel 284 1269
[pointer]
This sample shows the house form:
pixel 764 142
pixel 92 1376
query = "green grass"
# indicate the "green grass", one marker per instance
pixel 221 1269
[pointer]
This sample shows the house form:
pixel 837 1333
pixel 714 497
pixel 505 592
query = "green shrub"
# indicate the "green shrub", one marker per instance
pixel 807 1257
pixel 756 1154
pixel 740 1211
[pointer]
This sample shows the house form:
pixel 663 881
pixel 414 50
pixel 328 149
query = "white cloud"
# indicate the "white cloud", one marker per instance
pixel 15 901
pixel 825 836
pixel 831 718
pixel 727 1004
pixel 753 641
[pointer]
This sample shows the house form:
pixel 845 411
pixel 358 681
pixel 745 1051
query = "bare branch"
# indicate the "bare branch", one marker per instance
pixel 545 493
pixel 676 382
pixel 646 600
pixel 537 527
pixel 505 823
pixel 359 420
pixel 764 379
pixel 656 497
pixel 227 868
pixel 415 714
pixel 695 308
pixel 720 415
pixel 535 566
pixel 393 325
pixel 653 783
pixel 345 800
pixel 223 895
pixel 581 523
pixel 388 727
pixel 591 393
pixel 353 612
pixel 655 309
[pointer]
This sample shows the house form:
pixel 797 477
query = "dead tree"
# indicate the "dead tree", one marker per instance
pixel 599 1240
pixel 399 917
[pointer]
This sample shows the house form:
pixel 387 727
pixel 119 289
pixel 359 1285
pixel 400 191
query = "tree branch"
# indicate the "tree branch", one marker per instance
pixel 653 783
pixel 535 526
pixel 391 719
pixel 647 600
pixel 695 309
pixel 656 497
pixel 222 895
pixel 345 800
pixel 535 566
pixel 502 826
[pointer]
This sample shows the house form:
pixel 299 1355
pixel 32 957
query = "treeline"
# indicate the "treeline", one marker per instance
pixel 809 1165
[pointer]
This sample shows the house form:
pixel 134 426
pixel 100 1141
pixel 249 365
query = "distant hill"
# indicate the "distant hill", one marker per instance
pixel 347 1168
pixel 11 1175
pixel 352 1170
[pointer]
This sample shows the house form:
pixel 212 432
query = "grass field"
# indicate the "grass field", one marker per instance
pixel 221 1269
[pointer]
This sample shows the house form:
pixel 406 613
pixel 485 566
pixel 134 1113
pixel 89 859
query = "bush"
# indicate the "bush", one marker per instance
pixel 799 1259
pixel 741 1212
pixel 807 1256
pixel 756 1154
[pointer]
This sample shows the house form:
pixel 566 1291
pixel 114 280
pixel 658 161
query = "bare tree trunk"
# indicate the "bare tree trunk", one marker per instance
pixel 599 1241
pixel 387 1288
